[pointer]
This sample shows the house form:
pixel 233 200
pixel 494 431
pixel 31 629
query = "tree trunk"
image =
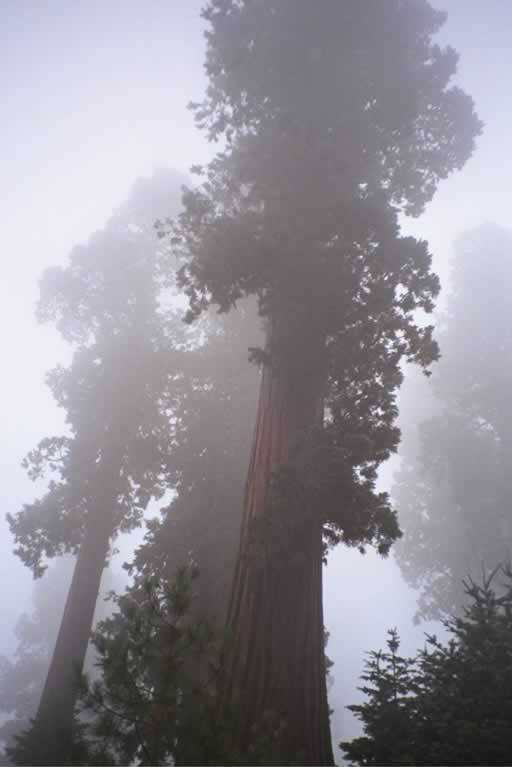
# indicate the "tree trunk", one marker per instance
pixel 275 656
pixel 55 716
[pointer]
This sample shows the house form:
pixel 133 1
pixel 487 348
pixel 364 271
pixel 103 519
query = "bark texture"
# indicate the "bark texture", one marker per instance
pixel 275 660
pixel 55 716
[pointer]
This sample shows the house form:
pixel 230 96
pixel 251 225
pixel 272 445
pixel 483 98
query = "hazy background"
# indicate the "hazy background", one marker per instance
pixel 94 95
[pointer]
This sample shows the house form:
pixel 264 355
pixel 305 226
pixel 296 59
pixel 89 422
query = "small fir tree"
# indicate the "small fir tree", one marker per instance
pixel 451 703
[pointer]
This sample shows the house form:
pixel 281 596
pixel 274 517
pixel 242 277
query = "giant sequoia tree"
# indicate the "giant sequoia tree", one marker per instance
pixel 453 490
pixel 335 119
pixel 117 394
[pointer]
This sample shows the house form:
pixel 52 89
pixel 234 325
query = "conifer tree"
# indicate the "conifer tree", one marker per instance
pixel 335 119
pixel 453 491
pixel 117 394
pixel 451 703
pixel 148 704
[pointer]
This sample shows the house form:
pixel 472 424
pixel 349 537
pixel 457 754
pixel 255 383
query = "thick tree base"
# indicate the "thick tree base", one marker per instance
pixel 275 664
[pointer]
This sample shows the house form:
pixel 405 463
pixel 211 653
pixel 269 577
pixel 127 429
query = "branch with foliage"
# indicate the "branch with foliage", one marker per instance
pixel 451 704
pixel 334 120
pixel 157 699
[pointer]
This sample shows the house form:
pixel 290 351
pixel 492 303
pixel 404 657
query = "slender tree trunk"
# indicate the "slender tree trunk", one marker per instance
pixel 55 715
pixel 275 658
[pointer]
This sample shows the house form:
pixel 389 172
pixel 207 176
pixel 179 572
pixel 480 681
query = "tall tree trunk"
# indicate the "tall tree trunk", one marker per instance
pixel 55 715
pixel 275 658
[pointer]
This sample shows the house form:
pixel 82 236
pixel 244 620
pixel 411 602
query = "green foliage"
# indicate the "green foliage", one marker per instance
pixel 389 713
pixel 147 653
pixel 117 392
pixel 451 704
pixel 157 700
pixel 349 61
pixel 333 122
pixel 292 114
pixel 453 490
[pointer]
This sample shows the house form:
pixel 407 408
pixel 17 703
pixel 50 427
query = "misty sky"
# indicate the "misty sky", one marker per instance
pixel 94 95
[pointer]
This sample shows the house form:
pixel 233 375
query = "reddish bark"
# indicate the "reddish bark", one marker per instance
pixel 275 659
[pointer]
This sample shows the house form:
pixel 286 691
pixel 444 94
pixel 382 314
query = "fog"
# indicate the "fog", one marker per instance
pixel 95 96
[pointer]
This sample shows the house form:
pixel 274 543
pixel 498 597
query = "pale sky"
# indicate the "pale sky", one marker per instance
pixel 94 95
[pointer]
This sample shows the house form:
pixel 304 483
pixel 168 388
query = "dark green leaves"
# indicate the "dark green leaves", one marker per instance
pixel 451 704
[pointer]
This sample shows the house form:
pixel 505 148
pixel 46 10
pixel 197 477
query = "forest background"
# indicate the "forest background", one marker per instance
pixel 97 99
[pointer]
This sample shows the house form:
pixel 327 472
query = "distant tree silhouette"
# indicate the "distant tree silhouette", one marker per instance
pixel 22 677
pixel 454 491
pixel 117 394
pixel 214 415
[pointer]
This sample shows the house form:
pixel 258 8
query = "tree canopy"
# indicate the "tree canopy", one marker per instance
pixel 333 123
pixel 105 303
pixel 451 703
pixel 108 303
